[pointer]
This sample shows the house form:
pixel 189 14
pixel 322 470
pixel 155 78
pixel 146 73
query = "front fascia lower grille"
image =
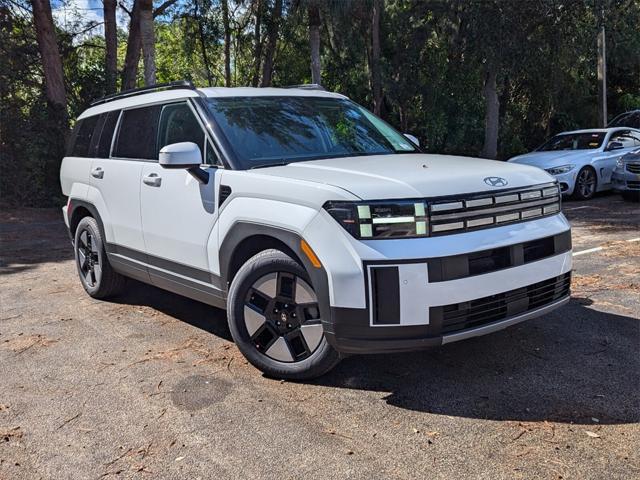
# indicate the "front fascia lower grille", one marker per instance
pixel 485 210
pixel 475 313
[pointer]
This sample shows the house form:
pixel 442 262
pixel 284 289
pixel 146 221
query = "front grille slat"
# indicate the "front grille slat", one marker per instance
pixel 465 315
pixel 455 215
pixel 633 167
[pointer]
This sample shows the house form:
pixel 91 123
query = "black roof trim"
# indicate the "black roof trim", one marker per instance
pixel 307 86
pixel 182 84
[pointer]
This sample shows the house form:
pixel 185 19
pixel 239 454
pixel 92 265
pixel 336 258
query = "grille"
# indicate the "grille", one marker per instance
pixel 633 185
pixel 475 313
pixel 633 167
pixel 475 212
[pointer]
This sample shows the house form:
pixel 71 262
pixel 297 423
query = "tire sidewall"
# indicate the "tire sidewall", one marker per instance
pixel 264 263
pixel 91 226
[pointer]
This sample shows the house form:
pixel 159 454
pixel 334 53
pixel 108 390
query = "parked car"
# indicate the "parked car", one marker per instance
pixel 583 161
pixel 626 176
pixel 627 119
pixel 321 229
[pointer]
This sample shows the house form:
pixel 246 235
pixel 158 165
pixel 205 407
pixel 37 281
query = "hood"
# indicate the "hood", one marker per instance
pixel 554 158
pixel 409 175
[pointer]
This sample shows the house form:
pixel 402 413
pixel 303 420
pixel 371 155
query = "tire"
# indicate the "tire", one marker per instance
pixel 586 184
pixel 274 319
pixel 96 274
pixel 631 196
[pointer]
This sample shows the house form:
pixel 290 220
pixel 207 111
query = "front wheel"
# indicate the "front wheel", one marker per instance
pixel 274 318
pixel 586 183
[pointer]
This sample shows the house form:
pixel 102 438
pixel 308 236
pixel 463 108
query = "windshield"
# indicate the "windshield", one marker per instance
pixel 266 131
pixel 574 141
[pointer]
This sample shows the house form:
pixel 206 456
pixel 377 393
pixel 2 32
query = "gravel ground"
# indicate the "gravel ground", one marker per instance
pixel 150 385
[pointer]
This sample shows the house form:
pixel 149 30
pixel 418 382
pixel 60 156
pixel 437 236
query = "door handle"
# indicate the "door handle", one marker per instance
pixel 153 180
pixel 97 172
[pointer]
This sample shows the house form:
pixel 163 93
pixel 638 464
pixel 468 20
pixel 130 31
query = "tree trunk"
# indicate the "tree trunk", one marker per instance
pixel 203 46
pixel 314 42
pixel 227 43
pixel 492 114
pixel 257 43
pixel 148 41
pixel 374 68
pixel 55 92
pixel 48 46
pixel 111 42
pixel 132 57
pixel 272 38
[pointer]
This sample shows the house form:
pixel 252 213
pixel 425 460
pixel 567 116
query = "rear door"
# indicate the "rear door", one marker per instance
pixel 116 173
pixel 178 212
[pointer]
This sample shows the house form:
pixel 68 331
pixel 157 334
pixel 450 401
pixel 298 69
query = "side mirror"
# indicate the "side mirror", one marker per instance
pixel 615 146
pixel 184 155
pixel 412 139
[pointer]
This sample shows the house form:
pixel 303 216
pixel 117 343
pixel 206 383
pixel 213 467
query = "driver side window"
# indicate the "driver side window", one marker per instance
pixel 179 124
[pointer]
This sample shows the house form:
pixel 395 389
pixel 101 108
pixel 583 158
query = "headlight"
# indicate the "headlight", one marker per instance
pixel 386 219
pixel 560 170
pixel 620 163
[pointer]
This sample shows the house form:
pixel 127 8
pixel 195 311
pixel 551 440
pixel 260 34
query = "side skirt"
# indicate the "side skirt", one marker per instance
pixel 205 293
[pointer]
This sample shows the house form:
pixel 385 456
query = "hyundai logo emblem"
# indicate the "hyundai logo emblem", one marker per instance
pixel 496 181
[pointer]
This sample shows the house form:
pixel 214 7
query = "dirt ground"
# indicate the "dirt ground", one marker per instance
pixel 149 385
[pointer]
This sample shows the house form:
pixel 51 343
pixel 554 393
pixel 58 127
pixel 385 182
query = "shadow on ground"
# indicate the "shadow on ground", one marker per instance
pixel 571 366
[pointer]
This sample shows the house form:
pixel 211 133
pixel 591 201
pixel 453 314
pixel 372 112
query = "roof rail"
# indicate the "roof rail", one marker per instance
pixel 308 86
pixel 186 84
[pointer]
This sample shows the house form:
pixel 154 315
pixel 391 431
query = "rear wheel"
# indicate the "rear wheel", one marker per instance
pixel 96 274
pixel 586 183
pixel 275 321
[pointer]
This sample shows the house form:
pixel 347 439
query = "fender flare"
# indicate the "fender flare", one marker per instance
pixel 75 203
pixel 243 230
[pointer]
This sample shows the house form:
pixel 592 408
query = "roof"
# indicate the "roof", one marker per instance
pixel 597 130
pixel 212 92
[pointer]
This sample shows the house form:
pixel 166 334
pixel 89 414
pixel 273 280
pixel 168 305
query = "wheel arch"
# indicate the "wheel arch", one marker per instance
pixel 79 210
pixel 246 239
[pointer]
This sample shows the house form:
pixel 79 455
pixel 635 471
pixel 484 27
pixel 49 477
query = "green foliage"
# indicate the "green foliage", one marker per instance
pixel 434 58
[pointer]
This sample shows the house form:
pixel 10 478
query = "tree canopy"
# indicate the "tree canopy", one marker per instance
pixel 478 77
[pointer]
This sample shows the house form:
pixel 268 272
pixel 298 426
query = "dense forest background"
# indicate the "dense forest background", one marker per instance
pixel 490 78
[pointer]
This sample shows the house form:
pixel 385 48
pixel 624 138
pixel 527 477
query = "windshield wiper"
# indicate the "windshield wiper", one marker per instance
pixel 265 165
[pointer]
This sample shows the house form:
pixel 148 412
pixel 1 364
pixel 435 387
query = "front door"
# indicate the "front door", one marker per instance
pixel 178 212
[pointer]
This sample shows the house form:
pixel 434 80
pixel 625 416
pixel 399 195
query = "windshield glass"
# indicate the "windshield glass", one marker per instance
pixel 574 141
pixel 266 131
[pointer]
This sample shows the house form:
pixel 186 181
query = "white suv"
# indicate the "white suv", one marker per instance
pixel 321 229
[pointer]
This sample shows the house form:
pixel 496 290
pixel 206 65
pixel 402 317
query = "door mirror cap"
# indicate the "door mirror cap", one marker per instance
pixel 615 146
pixel 413 139
pixel 180 155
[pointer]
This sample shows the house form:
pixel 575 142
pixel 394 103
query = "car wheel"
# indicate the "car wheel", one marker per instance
pixel 274 318
pixel 586 183
pixel 96 274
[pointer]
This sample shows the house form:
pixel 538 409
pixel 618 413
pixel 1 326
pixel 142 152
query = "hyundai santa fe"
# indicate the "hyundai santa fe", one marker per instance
pixel 320 229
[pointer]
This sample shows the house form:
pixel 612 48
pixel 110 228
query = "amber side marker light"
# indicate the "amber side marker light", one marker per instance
pixel 310 254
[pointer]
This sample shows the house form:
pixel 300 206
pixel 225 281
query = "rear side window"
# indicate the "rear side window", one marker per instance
pixel 179 124
pixel 137 133
pixel 85 130
pixel 108 127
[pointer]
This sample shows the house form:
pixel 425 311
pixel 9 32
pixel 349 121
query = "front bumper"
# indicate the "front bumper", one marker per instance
pixel 567 181
pixel 350 330
pixel 400 295
pixel 625 181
